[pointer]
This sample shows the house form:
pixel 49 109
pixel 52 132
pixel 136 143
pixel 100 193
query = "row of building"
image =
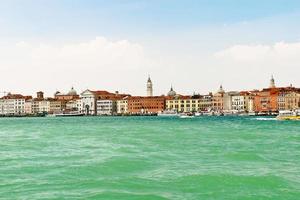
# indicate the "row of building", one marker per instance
pixel 100 102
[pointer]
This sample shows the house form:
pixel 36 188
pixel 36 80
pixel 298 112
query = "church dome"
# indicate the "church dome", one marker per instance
pixel 171 93
pixel 221 90
pixel 72 92
pixel 57 93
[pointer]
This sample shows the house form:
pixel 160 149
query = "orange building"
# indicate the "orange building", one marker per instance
pixel 146 105
pixel 266 101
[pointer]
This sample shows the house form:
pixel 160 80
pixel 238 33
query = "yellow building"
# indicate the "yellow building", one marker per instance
pixel 194 103
pixel 292 100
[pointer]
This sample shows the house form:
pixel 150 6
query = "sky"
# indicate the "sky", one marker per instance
pixel 194 45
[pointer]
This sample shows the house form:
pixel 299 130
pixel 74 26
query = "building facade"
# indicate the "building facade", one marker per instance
pixel 218 100
pixel 13 104
pixel 145 105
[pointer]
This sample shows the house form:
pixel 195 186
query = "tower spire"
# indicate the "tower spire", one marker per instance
pixel 149 87
pixel 272 82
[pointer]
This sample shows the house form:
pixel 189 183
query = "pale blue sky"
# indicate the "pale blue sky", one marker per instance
pixel 173 34
pixel 121 17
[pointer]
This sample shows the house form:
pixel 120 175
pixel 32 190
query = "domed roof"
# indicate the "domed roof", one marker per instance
pixel 72 92
pixel 57 93
pixel 171 92
pixel 221 90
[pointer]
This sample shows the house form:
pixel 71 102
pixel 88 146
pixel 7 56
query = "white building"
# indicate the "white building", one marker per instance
pixel 244 102
pixel 74 105
pixel 106 107
pixel 122 106
pixel 228 98
pixel 44 106
pixel 88 102
pixel 13 104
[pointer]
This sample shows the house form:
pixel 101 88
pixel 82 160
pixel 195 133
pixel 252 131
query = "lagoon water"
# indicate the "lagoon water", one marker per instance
pixel 149 158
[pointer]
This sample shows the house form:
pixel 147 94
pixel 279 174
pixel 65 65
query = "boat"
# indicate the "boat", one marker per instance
pixel 186 115
pixel 168 113
pixel 69 114
pixel 197 114
pixel 289 115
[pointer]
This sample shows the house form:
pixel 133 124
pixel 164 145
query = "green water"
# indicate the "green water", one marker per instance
pixel 149 158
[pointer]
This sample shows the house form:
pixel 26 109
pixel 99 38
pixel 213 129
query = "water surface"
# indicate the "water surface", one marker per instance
pixel 149 158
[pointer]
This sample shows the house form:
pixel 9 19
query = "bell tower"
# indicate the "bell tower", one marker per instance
pixel 149 87
pixel 272 82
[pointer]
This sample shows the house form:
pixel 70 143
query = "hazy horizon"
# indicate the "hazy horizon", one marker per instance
pixel 193 45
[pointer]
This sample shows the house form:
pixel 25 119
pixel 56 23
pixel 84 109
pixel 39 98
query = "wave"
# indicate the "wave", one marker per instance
pixel 265 119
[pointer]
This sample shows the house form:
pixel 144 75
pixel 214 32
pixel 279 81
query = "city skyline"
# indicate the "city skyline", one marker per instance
pixel 194 46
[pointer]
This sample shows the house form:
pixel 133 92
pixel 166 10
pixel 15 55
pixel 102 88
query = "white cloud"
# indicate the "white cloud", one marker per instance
pixel 250 65
pixel 281 51
pixel 49 66
pixel 99 52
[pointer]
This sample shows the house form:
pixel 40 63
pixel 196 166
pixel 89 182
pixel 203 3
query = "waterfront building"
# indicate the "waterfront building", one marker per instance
pixel 149 87
pixel 292 100
pixel 122 106
pixel 106 107
pixel 243 102
pixel 13 104
pixel 1 106
pixel 205 103
pixel 89 100
pixel 57 106
pixel 228 100
pixel 266 100
pixel 194 103
pixel 28 106
pixel 74 105
pixel 218 100
pixel 44 106
pixel 145 105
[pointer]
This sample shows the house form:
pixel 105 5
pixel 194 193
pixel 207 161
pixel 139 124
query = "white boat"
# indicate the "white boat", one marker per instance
pixel 168 113
pixel 186 115
pixel 71 114
pixel 197 114
pixel 288 115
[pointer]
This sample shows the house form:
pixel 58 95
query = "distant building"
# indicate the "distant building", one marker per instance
pixel 243 102
pixel 74 105
pixel 13 104
pixel 228 100
pixel 91 99
pixel 72 94
pixel 106 107
pixel 218 100
pixel 57 106
pixel 149 87
pixel 194 103
pixel 292 99
pixel 122 106
pixel 145 105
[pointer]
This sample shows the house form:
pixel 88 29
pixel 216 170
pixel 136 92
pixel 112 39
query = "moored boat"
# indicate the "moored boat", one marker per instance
pixel 186 115
pixel 289 115
pixel 168 113
pixel 69 114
